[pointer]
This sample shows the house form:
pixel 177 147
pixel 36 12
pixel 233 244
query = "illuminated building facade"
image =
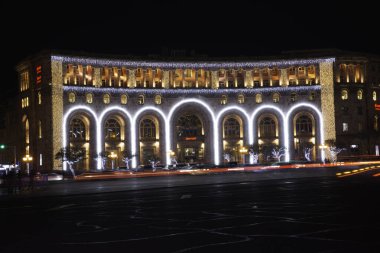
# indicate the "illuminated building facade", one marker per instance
pixel 197 110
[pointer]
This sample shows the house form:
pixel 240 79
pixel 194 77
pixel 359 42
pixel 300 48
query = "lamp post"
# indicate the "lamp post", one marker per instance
pixel 113 156
pixel 27 159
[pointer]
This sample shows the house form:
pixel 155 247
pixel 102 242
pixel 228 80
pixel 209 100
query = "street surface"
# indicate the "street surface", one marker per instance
pixel 272 211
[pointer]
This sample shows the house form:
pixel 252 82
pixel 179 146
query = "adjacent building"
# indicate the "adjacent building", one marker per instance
pixel 197 110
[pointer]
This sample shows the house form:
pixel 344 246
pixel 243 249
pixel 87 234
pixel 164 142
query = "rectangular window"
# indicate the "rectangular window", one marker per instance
pixel 345 127
pixel 40 159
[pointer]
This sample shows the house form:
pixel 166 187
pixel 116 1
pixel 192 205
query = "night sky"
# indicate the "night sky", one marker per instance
pixel 142 28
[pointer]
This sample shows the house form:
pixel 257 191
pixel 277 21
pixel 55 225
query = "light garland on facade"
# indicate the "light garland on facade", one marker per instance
pixel 188 65
pixel 196 91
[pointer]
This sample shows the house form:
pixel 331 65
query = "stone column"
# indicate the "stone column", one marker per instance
pixel 131 78
pixel 165 79
pixel 214 79
pixel 248 79
pixel 284 78
pixel 97 78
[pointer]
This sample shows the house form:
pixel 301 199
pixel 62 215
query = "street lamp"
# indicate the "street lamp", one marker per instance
pixel 3 146
pixel 27 159
pixel 113 156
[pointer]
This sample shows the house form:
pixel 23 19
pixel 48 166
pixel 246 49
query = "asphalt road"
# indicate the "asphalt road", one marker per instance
pixel 283 213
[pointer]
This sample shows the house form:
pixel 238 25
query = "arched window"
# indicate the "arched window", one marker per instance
pixel 147 129
pixel 267 127
pixel 39 129
pixel 241 99
pixel 259 98
pixel 140 100
pixel 27 131
pixel 71 97
pixel 89 98
pixel 112 130
pixel 223 100
pixel 189 127
pixel 344 94
pixel 106 98
pixel 304 125
pixel 231 128
pixel 374 96
pixel 157 99
pixel 376 123
pixel 276 97
pixel 39 98
pixel 124 99
pixel 77 130
pixel 360 94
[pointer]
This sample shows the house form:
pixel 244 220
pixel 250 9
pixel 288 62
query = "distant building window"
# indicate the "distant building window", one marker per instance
pixel 39 129
pixel 360 95
pixel 158 99
pixel 24 81
pixel 39 98
pixel 374 96
pixel 293 97
pixel 276 97
pixel 25 102
pixel 89 98
pixel 140 100
pixel 376 123
pixel 344 94
pixel 106 98
pixel 123 99
pixel 71 97
pixel 345 127
pixel 241 99
pixel 312 96
pixel 259 99
pixel 223 100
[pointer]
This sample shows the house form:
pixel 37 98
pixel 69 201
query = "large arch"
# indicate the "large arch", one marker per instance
pixel 320 121
pixel 134 128
pixel 242 114
pixel 68 115
pixel 175 107
pixel 109 111
pixel 281 118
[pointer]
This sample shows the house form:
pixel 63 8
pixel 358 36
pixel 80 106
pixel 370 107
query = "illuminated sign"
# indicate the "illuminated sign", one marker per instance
pixel 38 74
pixel 377 107
pixel 190 138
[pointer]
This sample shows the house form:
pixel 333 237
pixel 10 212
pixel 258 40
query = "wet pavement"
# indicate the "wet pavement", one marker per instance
pixel 209 213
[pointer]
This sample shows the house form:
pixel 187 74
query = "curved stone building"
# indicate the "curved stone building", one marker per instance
pixel 197 110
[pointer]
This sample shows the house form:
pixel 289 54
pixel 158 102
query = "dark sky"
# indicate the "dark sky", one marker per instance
pixel 219 29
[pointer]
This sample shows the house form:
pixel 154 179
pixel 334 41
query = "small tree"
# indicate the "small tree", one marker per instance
pixel 254 153
pixel 227 156
pixel 307 152
pixel 127 157
pixel 71 156
pixel 154 161
pixel 277 153
pixel 104 156
pixel 332 151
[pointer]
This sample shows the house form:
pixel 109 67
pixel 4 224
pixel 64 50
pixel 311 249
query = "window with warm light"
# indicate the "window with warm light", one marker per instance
pixel 344 94
pixel 223 100
pixel 241 99
pixel 376 123
pixel 106 98
pixel 71 97
pixel 89 98
pixel 123 99
pixel 276 97
pixel 259 98
pixel 141 100
pixel 345 127
pixel 158 99
pixel 312 96
pixel 39 129
pixel 39 96
pixel 374 96
pixel 293 97
pixel 24 81
pixel 360 94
